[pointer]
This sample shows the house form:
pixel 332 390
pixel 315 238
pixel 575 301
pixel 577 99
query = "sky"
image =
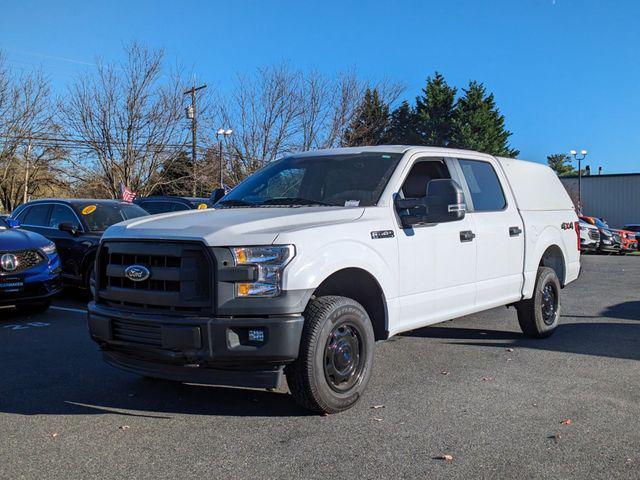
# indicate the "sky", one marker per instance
pixel 565 73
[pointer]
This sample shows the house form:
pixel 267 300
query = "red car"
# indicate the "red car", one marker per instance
pixel 628 241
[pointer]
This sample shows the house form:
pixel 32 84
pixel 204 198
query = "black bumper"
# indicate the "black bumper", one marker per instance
pixel 245 351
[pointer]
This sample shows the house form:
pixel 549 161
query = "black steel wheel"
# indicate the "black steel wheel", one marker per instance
pixel 539 315
pixel 336 355
pixel 344 357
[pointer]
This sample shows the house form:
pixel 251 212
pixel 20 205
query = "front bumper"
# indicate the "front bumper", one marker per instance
pixel 237 351
pixel 32 288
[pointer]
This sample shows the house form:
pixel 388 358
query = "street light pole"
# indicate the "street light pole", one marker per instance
pixel 579 158
pixel 222 133
pixel 191 115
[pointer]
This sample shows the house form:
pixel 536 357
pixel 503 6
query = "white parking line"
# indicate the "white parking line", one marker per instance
pixel 67 309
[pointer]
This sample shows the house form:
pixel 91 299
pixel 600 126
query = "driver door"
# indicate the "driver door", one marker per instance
pixel 437 261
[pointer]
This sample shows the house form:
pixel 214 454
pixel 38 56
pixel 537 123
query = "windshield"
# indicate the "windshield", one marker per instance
pixel 601 223
pixel 338 180
pixel 99 217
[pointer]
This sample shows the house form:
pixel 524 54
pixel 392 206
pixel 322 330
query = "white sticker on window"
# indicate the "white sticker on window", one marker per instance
pixel 352 203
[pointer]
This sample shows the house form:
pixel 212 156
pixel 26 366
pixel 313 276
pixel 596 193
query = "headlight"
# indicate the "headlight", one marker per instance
pixel 49 249
pixel 606 233
pixel 270 263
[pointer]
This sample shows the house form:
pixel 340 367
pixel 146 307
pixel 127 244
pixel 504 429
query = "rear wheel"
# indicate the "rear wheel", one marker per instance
pixel 539 316
pixel 336 355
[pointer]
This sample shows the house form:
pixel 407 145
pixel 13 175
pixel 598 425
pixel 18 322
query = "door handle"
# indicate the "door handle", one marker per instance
pixel 467 236
pixel 514 231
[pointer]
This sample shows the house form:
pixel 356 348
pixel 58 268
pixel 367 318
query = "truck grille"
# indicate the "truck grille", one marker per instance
pixel 180 280
pixel 136 332
pixel 594 234
pixel 26 260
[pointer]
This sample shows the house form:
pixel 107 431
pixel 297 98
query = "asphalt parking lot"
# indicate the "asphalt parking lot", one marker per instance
pixel 474 388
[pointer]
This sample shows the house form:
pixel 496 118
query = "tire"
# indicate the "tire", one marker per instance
pixel 540 315
pixel 335 360
pixel 34 308
pixel 90 280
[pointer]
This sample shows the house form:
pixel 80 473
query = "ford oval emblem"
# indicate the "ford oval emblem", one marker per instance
pixel 137 273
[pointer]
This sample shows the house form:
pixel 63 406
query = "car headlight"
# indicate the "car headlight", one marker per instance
pixel 269 262
pixel 606 233
pixel 49 249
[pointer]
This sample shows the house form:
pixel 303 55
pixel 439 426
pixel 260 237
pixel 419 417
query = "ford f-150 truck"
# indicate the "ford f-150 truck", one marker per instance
pixel 303 266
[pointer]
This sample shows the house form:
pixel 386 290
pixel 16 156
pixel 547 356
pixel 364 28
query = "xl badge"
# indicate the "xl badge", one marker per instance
pixel 9 262
pixel 137 273
pixel 382 234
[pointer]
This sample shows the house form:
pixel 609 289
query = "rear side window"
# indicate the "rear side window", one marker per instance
pixel 156 207
pixel 36 215
pixel 484 186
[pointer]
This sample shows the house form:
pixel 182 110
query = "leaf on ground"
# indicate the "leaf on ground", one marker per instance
pixel 54 434
pixel 375 407
pixel 566 421
pixel 378 419
pixel 124 427
pixel 488 379
pixel 446 457
pixel 556 437
pixel 444 372
pixel 509 349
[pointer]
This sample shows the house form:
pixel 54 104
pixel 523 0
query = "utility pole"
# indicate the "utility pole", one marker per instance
pixel 25 197
pixel 191 114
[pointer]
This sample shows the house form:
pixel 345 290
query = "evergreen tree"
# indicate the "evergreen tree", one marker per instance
pixel 177 176
pixel 370 123
pixel 561 164
pixel 478 124
pixel 434 112
pixel 402 129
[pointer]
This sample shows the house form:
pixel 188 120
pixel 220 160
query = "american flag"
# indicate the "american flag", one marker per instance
pixel 126 194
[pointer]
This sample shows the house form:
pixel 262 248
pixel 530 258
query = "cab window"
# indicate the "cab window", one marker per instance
pixel 484 186
pixel 422 172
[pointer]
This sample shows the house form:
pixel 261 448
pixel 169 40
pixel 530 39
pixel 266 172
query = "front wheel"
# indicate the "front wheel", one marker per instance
pixel 336 355
pixel 539 316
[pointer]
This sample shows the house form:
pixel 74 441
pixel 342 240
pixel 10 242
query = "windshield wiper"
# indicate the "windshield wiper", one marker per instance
pixel 296 201
pixel 235 203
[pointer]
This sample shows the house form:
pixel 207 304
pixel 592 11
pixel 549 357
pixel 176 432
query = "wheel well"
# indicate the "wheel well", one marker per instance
pixel 361 286
pixel 554 259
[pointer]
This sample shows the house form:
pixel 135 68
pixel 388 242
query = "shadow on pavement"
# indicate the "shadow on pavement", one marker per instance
pixel 614 340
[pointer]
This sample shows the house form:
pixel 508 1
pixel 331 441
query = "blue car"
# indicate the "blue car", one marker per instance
pixel 30 270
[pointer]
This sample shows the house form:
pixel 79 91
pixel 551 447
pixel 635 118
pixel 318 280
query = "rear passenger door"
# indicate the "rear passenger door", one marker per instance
pixel 499 232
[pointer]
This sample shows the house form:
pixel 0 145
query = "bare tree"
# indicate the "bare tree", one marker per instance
pixel 28 157
pixel 279 110
pixel 129 119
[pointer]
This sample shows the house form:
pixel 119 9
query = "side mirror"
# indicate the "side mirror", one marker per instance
pixel 216 195
pixel 12 222
pixel 444 202
pixel 68 227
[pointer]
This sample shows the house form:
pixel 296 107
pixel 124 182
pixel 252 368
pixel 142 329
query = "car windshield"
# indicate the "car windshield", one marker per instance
pixel 100 216
pixel 338 180
pixel 600 223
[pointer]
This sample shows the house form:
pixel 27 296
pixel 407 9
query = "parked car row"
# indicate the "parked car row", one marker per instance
pixel 598 237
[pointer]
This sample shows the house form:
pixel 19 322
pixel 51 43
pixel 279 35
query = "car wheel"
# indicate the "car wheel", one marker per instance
pixel 336 355
pixel 34 308
pixel 539 316
pixel 90 280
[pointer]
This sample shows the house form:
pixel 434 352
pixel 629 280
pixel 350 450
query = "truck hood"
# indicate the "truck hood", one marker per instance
pixel 232 226
pixel 18 239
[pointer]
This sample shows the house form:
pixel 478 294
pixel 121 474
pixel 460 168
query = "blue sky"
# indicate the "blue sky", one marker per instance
pixel 566 73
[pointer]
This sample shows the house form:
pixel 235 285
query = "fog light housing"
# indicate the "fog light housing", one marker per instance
pixel 256 335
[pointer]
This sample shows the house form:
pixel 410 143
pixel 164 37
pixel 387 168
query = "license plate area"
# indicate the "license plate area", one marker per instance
pixel 11 285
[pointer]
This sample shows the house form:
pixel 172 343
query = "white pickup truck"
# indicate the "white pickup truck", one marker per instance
pixel 302 267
